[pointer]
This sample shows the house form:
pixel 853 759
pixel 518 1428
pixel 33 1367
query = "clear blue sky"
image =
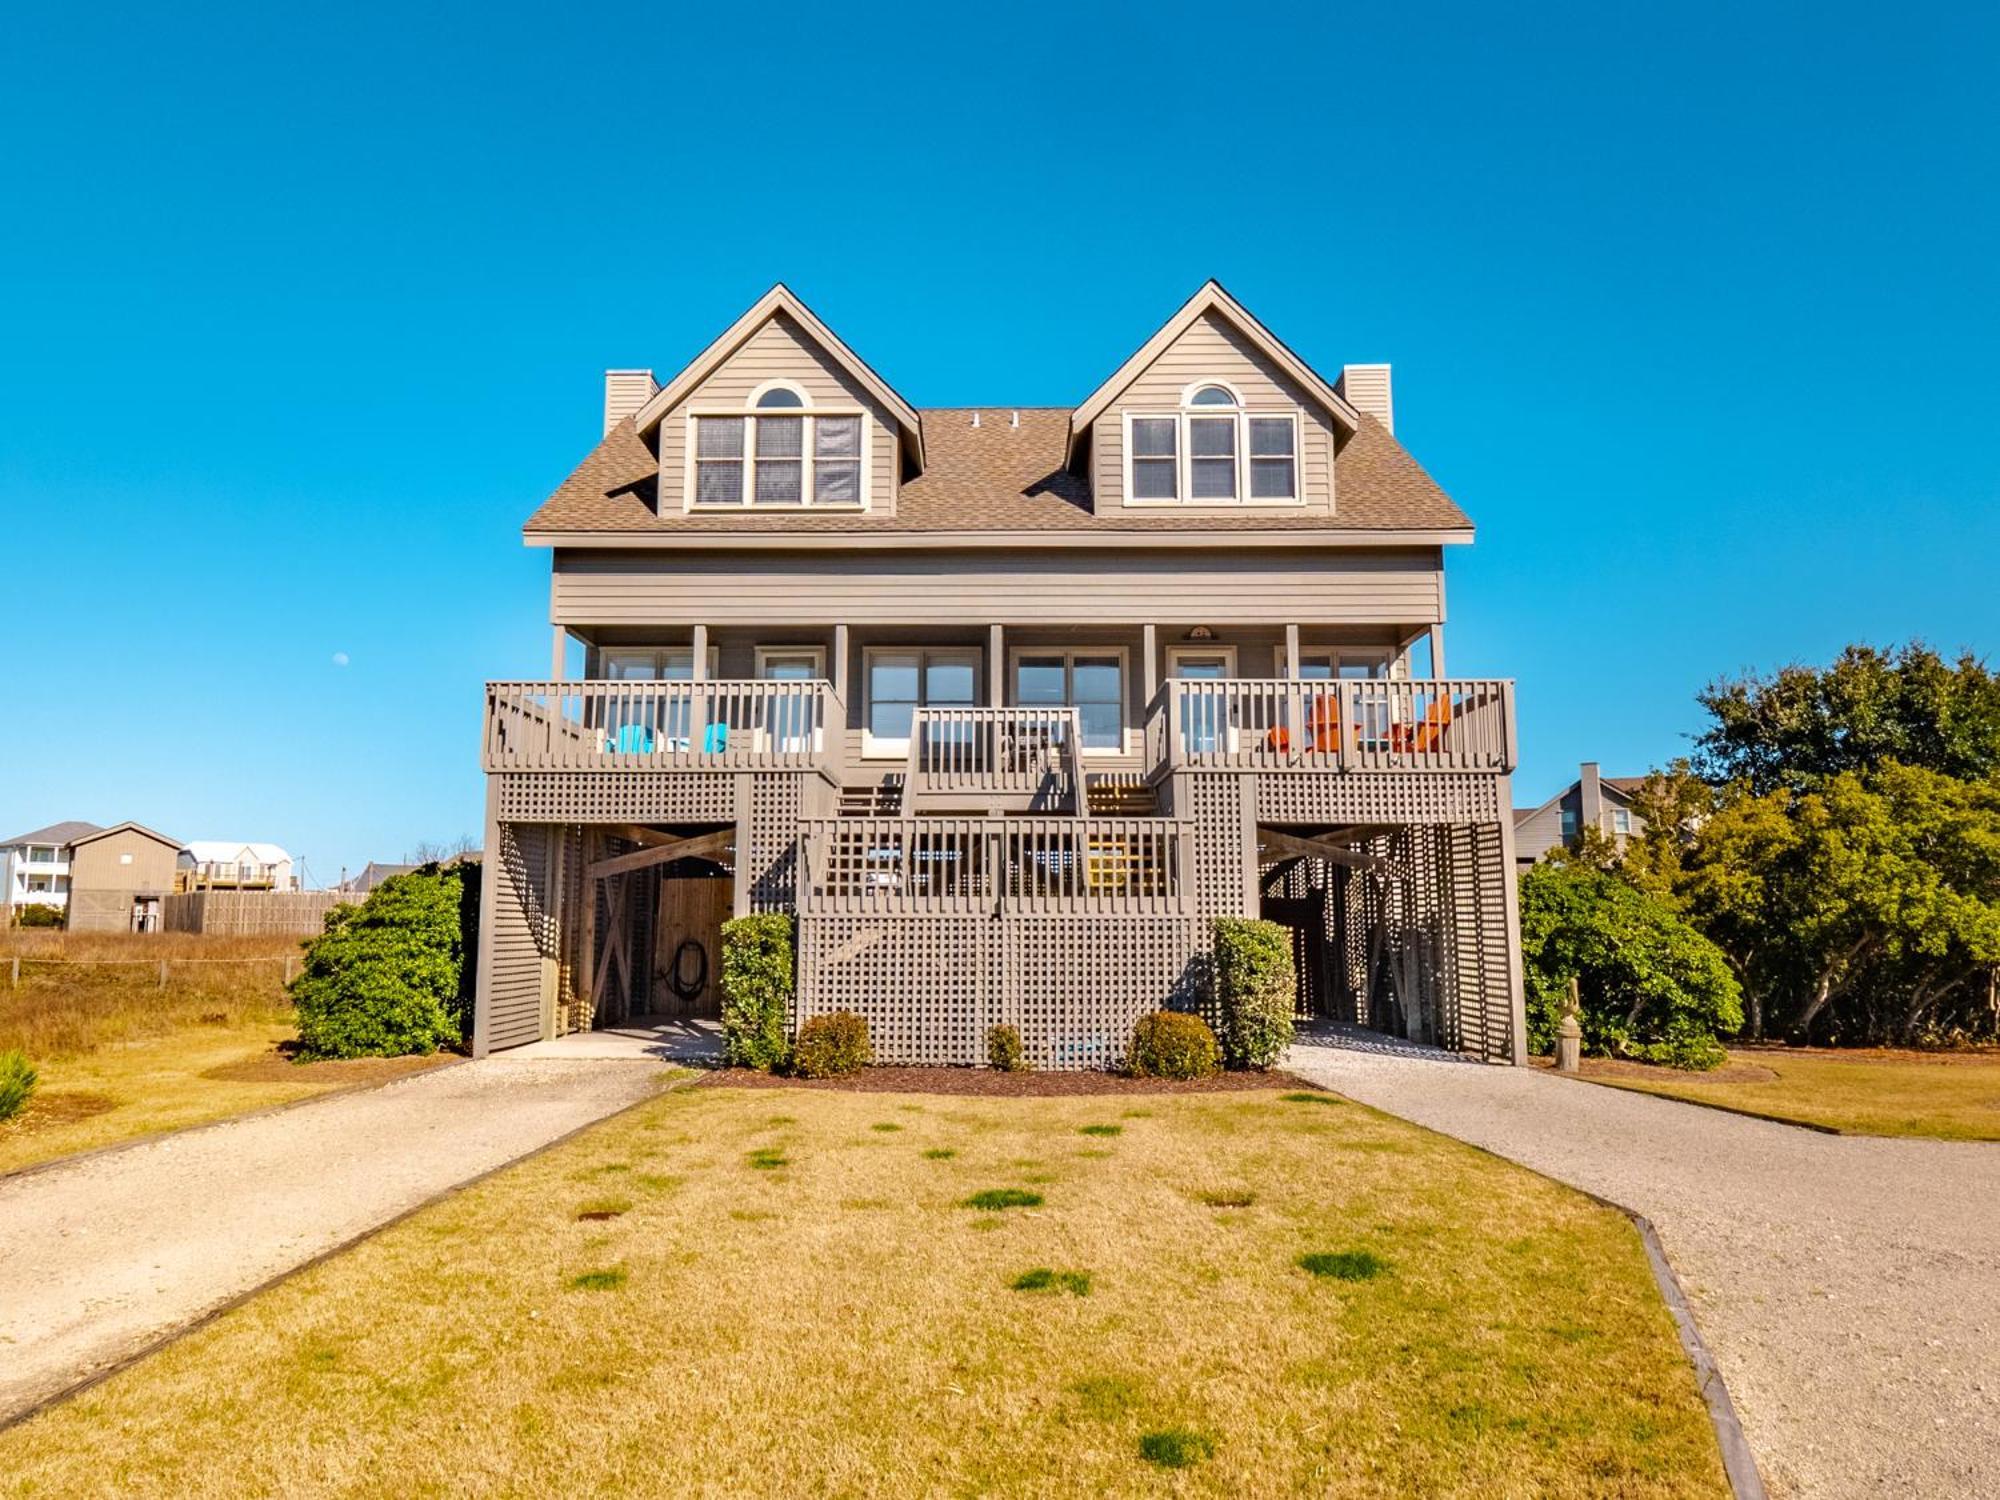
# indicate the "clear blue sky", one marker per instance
pixel 303 310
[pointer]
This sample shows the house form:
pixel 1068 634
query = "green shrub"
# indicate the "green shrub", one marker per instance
pixel 38 914
pixel 757 988
pixel 387 978
pixel 1652 987
pixel 832 1046
pixel 1172 1044
pixel 17 1082
pixel 1255 989
pixel 1004 1050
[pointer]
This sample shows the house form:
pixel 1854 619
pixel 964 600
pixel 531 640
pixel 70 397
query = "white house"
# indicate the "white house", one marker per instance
pixel 227 864
pixel 36 865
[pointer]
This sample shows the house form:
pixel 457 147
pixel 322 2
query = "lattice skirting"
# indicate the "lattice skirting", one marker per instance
pixel 627 797
pixel 930 987
pixel 1376 797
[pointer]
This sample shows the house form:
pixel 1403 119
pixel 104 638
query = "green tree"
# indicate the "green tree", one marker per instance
pixel 386 978
pixel 1651 986
pixel 1907 705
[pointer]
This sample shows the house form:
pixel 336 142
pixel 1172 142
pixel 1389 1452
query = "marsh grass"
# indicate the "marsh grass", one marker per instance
pixel 1044 1279
pixel 768 1159
pixel 1343 1265
pixel 940 1153
pixel 1101 1130
pixel 609 1279
pixel 1176 1447
pixel 815 1348
pixel 994 1199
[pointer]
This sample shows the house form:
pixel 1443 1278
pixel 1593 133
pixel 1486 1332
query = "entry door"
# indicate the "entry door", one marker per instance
pixel 789 721
pixel 1204 717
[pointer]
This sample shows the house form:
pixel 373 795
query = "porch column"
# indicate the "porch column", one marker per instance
pixel 1149 663
pixel 1292 652
pixel 840 664
pixel 745 885
pixel 701 653
pixel 996 666
pixel 491 874
pixel 1517 996
pixel 561 652
pixel 1437 650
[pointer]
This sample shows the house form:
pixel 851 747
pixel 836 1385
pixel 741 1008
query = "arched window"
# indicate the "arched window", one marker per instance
pixel 784 451
pixel 1213 450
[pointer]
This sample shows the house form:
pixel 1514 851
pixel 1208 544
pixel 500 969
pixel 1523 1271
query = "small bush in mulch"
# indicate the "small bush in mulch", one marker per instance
pixel 1004 1050
pixel 832 1046
pixel 1172 1044
pixel 1344 1265
pixel 993 1199
pixel 757 989
pixel 607 1280
pixel 17 1082
pixel 1046 1279
pixel 1176 1447
pixel 1255 986
pixel 1101 1130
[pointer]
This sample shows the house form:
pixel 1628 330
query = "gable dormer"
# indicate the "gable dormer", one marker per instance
pixel 1213 415
pixel 778 415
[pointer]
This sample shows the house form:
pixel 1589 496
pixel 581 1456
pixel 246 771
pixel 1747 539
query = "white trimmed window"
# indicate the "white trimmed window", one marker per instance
pixel 899 680
pixel 780 454
pixel 1212 451
pixel 1091 682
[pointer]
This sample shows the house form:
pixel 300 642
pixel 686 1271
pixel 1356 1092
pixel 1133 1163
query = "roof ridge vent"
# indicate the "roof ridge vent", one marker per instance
pixel 975 419
pixel 1015 420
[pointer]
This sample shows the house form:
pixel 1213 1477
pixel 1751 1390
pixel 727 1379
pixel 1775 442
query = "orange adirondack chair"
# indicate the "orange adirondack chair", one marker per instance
pixel 1322 729
pixel 1428 733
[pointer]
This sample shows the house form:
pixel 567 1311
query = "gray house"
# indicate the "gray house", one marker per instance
pixel 1003 703
pixel 1591 801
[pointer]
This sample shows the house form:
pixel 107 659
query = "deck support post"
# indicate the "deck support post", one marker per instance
pixel 1292 653
pixel 839 674
pixel 1149 664
pixel 996 667
pixel 558 654
pixel 740 855
pixel 492 872
pixel 1437 650
pixel 1517 995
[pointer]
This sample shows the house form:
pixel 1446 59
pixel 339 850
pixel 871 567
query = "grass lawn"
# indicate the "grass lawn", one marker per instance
pixel 121 1057
pixel 795 1292
pixel 1954 1096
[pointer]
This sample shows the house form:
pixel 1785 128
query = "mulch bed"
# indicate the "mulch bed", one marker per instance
pixel 62 1107
pixel 986 1082
pixel 276 1066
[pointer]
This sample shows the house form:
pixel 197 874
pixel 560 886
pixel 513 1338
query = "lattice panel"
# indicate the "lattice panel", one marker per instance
pixel 926 985
pixel 1074 988
pixel 632 797
pixel 1216 806
pixel 1376 797
pixel 774 841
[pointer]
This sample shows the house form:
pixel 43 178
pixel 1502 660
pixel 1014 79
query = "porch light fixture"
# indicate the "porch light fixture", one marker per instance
pixel 1200 633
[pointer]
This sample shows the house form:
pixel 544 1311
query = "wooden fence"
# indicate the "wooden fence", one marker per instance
pixel 250 913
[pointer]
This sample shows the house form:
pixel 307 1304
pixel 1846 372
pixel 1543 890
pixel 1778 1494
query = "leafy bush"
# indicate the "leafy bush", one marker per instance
pixel 1255 986
pixel 757 989
pixel 387 978
pixel 1652 987
pixel 1004 1050
pixel 832 1046
pixel 17 1082
pixel 1172 1044
pixel 38 914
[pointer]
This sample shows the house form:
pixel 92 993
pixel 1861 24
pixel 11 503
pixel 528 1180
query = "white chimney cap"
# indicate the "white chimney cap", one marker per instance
pixel 625 391
pixel 1366 388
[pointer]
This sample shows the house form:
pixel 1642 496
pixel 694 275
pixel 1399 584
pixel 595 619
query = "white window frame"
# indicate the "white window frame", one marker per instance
pixel 660 653
pixel 1182 416
pixel 808 414
pixel 1379 660
pixel 1176 653
pixel 1069 655
pixel 1621 821
pixel 875 748
pixel 817 653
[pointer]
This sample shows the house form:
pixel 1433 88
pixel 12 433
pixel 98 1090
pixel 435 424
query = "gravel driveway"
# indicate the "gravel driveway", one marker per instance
pixel 1848 1287
pixel 104 1257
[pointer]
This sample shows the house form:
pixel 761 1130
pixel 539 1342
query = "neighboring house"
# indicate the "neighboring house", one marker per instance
pixel 36 865
pixel 1591 801
pixel 1004 703
pixel 119 877
pixel 372 875
pixel 226 865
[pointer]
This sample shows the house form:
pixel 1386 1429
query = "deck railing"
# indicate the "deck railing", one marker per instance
pixel 1350 724
pixel 1001 752
pixel 648 726
pixel 938 866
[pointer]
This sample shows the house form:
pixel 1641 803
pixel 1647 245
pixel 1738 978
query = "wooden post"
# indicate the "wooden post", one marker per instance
pixel 163 973
pixel 840 666
pixel 1437 651
pixel 291 968
pixel 996 667
pixel 1292 652
pixel 1149 662
pixel 17 972
pixel 559 652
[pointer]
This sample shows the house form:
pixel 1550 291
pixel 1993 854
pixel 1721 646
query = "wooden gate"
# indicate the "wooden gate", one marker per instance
pixel 687 946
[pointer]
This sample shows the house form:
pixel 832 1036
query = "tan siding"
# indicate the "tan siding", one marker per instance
pixel 1212 349
pixel 1401 587
pixel 514 1017
pixel 95 865
pixel 781 350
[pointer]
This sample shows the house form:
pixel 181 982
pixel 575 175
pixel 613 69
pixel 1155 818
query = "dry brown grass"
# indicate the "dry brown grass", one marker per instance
pixel 843 1324
pixel 80 992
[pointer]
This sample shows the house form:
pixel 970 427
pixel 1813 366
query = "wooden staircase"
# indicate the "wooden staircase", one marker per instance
pixel 1124 799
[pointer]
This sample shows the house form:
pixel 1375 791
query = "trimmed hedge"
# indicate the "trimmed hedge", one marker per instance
pixel 832 1046
pixel 1004 1050
pixel 757 988
pixel 17 1082
pixel 386 978
pixel 1256 986
pixel 1172 1044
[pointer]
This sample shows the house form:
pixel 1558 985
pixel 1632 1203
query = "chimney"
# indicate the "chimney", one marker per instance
pixel 625 391
pixel 1366 388
pixel 1590 794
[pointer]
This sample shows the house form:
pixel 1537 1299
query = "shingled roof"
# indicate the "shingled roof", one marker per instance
pixel 996 477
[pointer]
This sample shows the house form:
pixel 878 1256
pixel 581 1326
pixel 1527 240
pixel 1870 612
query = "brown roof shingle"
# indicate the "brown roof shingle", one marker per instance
pixel 997 477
